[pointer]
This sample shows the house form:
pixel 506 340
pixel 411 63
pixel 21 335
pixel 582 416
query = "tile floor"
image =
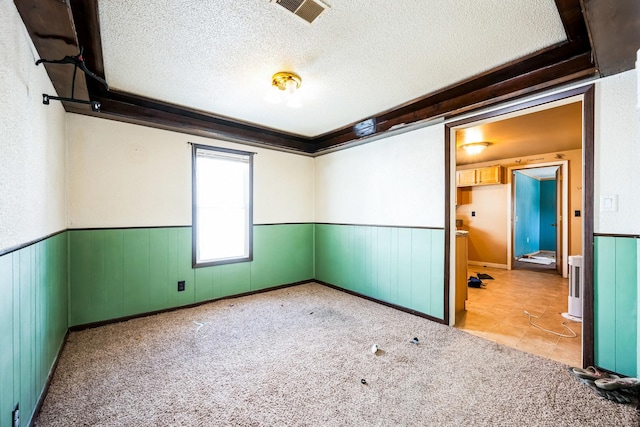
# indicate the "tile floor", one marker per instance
pixel 496 312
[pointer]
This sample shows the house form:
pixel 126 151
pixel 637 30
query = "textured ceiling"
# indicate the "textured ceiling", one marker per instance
pixel 359 58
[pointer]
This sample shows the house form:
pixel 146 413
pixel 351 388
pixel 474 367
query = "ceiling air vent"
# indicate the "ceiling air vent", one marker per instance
pixel 308 10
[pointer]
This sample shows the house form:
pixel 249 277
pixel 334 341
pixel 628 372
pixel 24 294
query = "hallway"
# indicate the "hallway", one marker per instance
pixel 496 312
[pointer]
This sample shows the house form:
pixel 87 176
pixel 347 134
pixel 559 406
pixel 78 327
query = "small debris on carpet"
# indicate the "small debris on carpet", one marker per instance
pixel 363 381
pixel 374 348
pixel 414 341
pixel 200 325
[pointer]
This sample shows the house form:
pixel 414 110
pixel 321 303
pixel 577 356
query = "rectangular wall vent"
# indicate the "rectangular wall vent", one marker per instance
pixel 308 10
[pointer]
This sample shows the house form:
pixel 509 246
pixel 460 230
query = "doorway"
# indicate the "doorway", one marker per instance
pixel 538 233
pixel 534 221
pixel 584 97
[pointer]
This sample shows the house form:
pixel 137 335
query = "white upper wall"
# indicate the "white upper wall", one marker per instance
pixel 32 146
pixel 395 181
pixel 125 175
pixel 617 153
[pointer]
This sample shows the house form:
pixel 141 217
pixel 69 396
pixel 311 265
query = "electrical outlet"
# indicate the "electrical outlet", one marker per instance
pixel 180 285
pixel 15 416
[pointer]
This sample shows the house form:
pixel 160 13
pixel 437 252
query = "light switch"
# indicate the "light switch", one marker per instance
pixel 609 203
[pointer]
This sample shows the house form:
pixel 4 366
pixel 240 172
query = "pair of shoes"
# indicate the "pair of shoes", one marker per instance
pixel 614 383
pixel 589 373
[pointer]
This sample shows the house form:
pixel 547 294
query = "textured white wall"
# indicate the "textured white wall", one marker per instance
pixel 394 181
pixel 124 175
pixel 32 141
pixel 617 153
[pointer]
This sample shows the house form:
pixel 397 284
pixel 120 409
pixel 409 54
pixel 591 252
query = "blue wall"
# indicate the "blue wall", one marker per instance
pixel 527 205
pixel 548 204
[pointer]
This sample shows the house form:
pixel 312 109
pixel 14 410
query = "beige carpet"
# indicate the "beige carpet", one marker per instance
pixel 296 357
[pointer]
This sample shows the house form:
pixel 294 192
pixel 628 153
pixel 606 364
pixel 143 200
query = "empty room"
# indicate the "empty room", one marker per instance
pixel 311 212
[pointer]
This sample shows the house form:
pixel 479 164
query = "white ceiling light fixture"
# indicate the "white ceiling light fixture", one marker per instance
pixel 473 148
pixel 284 89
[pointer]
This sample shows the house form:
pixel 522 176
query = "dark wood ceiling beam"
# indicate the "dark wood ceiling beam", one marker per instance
pixel 576 45
pixel 50 25
pixel 115 107
pixel 573 20
pixel 514 81
pixel 87 24
pixel 614 28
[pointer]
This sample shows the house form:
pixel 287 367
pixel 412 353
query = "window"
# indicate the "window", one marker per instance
pixel 222 205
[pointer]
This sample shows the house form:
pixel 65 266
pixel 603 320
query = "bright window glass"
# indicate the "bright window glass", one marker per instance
pixel 222 205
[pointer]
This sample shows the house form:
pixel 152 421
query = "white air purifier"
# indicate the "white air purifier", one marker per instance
pixel 576 288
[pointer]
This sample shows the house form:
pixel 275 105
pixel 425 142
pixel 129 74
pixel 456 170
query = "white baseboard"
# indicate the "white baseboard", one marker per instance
pixel 487 264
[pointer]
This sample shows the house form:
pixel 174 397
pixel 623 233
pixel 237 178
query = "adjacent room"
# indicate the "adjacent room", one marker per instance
pixel 263 213
pixel 511 198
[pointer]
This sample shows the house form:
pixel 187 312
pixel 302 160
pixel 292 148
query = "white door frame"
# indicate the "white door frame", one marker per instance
pixel 564 165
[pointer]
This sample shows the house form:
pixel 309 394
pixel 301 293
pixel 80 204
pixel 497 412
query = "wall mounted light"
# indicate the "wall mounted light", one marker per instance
pixel 284 88
pixel 473 148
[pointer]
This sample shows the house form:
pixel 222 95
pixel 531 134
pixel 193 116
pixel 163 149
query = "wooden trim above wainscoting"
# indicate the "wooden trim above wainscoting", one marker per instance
pixel 29 243
pixel 627 236
pixel 388 304
pixel 137 227
pixel 380 226
pixel 285 223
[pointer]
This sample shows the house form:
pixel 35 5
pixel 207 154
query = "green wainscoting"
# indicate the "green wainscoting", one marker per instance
pixel 123 272
pixel 616 308
pixel 402 266
pixel 33 315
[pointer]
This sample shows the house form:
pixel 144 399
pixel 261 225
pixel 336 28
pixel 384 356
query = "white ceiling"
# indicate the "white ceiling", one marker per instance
pixel 548 172
pixel 359 58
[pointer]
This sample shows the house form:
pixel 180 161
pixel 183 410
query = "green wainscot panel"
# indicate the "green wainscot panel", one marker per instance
pixel 33 313
pixel 626 310
pixel 326 242
pixel 170 262
pixel 222 281
pixel 437 274
pixel 615 304
pixel 7 355
pixel 80 307
pixel 123 272
pixel 400 265
pixel 282 254
pixel 184 269
pixel 136 271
